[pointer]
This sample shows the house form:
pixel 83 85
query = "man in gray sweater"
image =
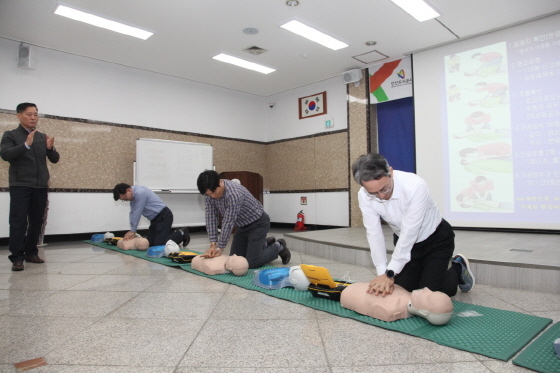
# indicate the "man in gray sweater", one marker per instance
pixel 27 150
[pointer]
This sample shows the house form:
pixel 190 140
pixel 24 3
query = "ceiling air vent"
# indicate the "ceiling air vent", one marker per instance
pixel 255 50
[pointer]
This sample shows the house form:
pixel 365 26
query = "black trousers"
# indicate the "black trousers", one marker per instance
pixel 250 242
pixel 159 231
pixel 429 263
pixel 27 209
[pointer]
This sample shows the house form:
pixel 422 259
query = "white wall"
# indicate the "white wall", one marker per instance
pixel 282 121
pixel 325 208
pixel 78 87
pixel 98 212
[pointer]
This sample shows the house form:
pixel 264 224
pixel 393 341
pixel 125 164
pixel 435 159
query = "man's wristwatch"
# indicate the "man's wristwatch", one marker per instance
pixel 390 273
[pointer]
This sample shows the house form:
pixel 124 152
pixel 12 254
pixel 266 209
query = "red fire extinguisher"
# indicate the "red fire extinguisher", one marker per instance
pixel 300 223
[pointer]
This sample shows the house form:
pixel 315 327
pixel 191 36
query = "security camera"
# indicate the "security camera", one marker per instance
pixel 271 105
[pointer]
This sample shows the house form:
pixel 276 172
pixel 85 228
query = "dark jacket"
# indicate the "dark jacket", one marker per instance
pixel 28 167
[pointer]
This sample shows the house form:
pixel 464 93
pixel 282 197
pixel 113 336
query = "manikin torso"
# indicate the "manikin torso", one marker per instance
pixel 388 308
pixel 435 306
pixel 222 264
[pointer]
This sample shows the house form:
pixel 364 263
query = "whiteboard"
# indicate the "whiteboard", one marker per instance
pixel 174 166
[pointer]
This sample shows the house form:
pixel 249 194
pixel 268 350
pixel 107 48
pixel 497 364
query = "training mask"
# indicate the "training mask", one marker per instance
pixel 298 279
pixel 171 247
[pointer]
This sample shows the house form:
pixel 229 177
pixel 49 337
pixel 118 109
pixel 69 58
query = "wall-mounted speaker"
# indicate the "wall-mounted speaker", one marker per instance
pixel 352 76
pixel 27 57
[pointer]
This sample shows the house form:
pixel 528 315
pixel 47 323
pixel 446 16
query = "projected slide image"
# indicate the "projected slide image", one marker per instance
pixel 479 131
pixel 480 196
pixel 487 126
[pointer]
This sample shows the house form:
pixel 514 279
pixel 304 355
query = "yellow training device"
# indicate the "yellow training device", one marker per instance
pixel 322 284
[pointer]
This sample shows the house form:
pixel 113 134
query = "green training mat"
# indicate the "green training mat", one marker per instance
pixel 540 354
pixel 491 332
pixel 138 253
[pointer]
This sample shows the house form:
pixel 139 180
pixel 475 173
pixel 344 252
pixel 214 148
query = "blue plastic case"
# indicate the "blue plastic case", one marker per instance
pixel 156 251
pixel 275 278
pixel 97 238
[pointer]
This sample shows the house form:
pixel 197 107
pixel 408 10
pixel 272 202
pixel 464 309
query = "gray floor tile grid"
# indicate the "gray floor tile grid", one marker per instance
pixel 93 310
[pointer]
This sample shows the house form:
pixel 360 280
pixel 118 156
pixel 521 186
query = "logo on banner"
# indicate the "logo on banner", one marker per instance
pixel 390 81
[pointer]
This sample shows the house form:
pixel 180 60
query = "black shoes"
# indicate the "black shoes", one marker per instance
pixel 270 241
pixel 284 254
pixel 186 237
pixel 18 266
pixel 33 259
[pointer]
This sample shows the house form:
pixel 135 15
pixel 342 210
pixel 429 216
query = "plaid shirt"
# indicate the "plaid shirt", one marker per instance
pixel 238 208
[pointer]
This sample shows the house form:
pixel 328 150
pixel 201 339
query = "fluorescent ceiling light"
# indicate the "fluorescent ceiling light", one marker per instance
pixel 314 35
pixel 419 9
pixel 242 63
pixel 94 20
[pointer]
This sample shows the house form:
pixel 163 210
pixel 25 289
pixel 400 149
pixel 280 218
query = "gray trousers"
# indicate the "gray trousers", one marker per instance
pixel 250 242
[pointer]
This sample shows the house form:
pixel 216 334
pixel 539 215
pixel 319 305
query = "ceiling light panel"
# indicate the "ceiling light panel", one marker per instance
pixel 242 63
pixel 317 36
pixel 419 9
pixel 94 20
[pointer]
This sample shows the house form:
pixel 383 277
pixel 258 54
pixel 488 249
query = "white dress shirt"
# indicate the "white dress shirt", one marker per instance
pixel 410 212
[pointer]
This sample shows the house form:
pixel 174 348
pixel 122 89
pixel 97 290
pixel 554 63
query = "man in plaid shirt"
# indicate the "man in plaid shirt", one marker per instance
pixel 240 209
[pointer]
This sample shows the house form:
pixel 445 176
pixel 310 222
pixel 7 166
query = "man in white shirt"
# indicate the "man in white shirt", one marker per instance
pixel 424 241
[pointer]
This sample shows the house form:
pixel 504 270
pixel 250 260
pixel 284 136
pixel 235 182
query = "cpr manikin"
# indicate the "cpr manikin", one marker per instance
pixel 137 243
pixel 434 306
pixel 220 265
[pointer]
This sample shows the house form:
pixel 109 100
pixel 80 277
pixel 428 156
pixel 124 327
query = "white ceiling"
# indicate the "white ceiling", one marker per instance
pixel 188 33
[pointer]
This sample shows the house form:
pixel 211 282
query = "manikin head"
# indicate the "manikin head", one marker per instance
pixel 237 265
pixel 434 306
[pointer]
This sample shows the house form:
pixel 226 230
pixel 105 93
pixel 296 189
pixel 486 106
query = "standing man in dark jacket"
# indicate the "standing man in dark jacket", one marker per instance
pixel 27 149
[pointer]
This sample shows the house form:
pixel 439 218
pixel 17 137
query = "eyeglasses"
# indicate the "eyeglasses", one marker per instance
pixel 386 189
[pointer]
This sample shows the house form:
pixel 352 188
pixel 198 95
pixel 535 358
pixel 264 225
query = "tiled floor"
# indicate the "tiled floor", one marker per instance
pixel 93 310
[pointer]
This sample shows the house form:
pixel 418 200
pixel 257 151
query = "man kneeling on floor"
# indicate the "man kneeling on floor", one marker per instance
pixel 144 202
pixel 238 208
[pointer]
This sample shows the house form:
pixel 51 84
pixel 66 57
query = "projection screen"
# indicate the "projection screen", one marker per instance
pixel 487 126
